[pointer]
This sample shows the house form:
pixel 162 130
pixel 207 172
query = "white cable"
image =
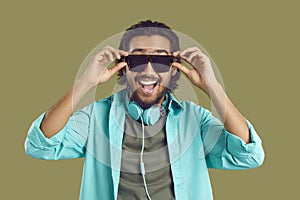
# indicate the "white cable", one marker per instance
pixel 142 165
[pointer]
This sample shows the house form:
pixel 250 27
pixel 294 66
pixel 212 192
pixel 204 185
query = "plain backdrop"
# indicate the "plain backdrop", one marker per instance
pixel 255 45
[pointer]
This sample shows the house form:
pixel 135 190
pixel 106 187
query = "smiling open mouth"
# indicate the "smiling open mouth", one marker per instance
pixel 147 84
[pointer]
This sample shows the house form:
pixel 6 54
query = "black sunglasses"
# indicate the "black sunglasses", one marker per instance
pixel 160 63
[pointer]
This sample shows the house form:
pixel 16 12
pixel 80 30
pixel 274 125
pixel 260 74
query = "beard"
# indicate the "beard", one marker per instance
pixel 147 104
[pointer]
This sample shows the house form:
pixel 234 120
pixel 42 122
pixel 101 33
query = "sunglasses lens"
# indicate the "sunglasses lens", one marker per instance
pixel 137 63
pixel 160 63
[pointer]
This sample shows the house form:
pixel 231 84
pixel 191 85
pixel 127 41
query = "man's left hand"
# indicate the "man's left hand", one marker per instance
pixel 201 74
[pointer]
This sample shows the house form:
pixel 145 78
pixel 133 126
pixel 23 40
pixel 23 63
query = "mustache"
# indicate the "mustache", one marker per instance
pixel 147 78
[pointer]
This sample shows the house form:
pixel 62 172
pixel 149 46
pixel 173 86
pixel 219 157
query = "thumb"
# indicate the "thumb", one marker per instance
pixel 117 67
pixel 181 67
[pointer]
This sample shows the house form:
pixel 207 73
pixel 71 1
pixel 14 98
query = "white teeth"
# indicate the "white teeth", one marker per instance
pixel 148 82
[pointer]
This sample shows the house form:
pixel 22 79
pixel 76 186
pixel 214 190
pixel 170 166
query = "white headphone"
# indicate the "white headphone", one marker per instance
pixel 148 116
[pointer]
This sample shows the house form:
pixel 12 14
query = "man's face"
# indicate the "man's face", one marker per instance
pixel 149 87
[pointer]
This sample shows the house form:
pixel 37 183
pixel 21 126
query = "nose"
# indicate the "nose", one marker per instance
pixel 149 69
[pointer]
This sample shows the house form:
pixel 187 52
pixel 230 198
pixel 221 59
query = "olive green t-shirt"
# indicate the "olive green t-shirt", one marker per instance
pixel 157 166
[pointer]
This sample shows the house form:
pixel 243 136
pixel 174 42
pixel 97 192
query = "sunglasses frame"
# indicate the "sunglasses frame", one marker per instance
pixel 149 58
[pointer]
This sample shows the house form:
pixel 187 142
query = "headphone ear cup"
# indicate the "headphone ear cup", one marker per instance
pixel 151 115
pixel 135 111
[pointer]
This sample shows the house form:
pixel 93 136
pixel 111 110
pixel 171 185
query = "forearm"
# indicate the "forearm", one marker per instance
pixel 202 75
pixel 96 73
pixel 234 121
pixel 58 115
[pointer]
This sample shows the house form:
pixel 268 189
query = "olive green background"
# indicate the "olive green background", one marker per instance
pixel 255 45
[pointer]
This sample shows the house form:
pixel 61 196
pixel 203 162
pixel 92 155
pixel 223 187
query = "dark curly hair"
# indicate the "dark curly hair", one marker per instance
pixel 147 28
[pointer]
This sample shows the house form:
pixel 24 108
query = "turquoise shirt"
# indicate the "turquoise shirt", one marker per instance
pixel 196 141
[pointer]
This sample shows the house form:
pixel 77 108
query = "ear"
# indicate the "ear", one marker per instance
pixel 173 71
pixel 124 70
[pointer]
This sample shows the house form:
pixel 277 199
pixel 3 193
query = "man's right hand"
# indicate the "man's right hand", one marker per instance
pixel 97 72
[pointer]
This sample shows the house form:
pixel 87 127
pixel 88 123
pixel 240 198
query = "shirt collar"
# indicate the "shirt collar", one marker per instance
pixel 174 103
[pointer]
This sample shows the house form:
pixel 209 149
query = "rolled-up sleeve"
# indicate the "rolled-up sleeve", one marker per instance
pixel 225 150
pixel 237 147
pixel 68 143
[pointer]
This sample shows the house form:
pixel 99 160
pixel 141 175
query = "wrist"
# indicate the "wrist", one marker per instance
pixel 211 86
pixel 83 86
pixel 84 83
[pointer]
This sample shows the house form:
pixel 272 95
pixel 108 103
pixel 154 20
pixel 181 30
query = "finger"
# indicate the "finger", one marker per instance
pixel 117 67
pixel 117 52
pixel 102 56
pixel 176 53
pixel 99 55
pixel 114 52
pixel 181 67
pixel 123 53
pixel 194 55
pixel 109 55
pixel 189 50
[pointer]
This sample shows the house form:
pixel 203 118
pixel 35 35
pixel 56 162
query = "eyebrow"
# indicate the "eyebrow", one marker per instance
pixel 144 50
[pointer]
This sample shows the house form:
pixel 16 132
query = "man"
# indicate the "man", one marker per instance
pixel 142 143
